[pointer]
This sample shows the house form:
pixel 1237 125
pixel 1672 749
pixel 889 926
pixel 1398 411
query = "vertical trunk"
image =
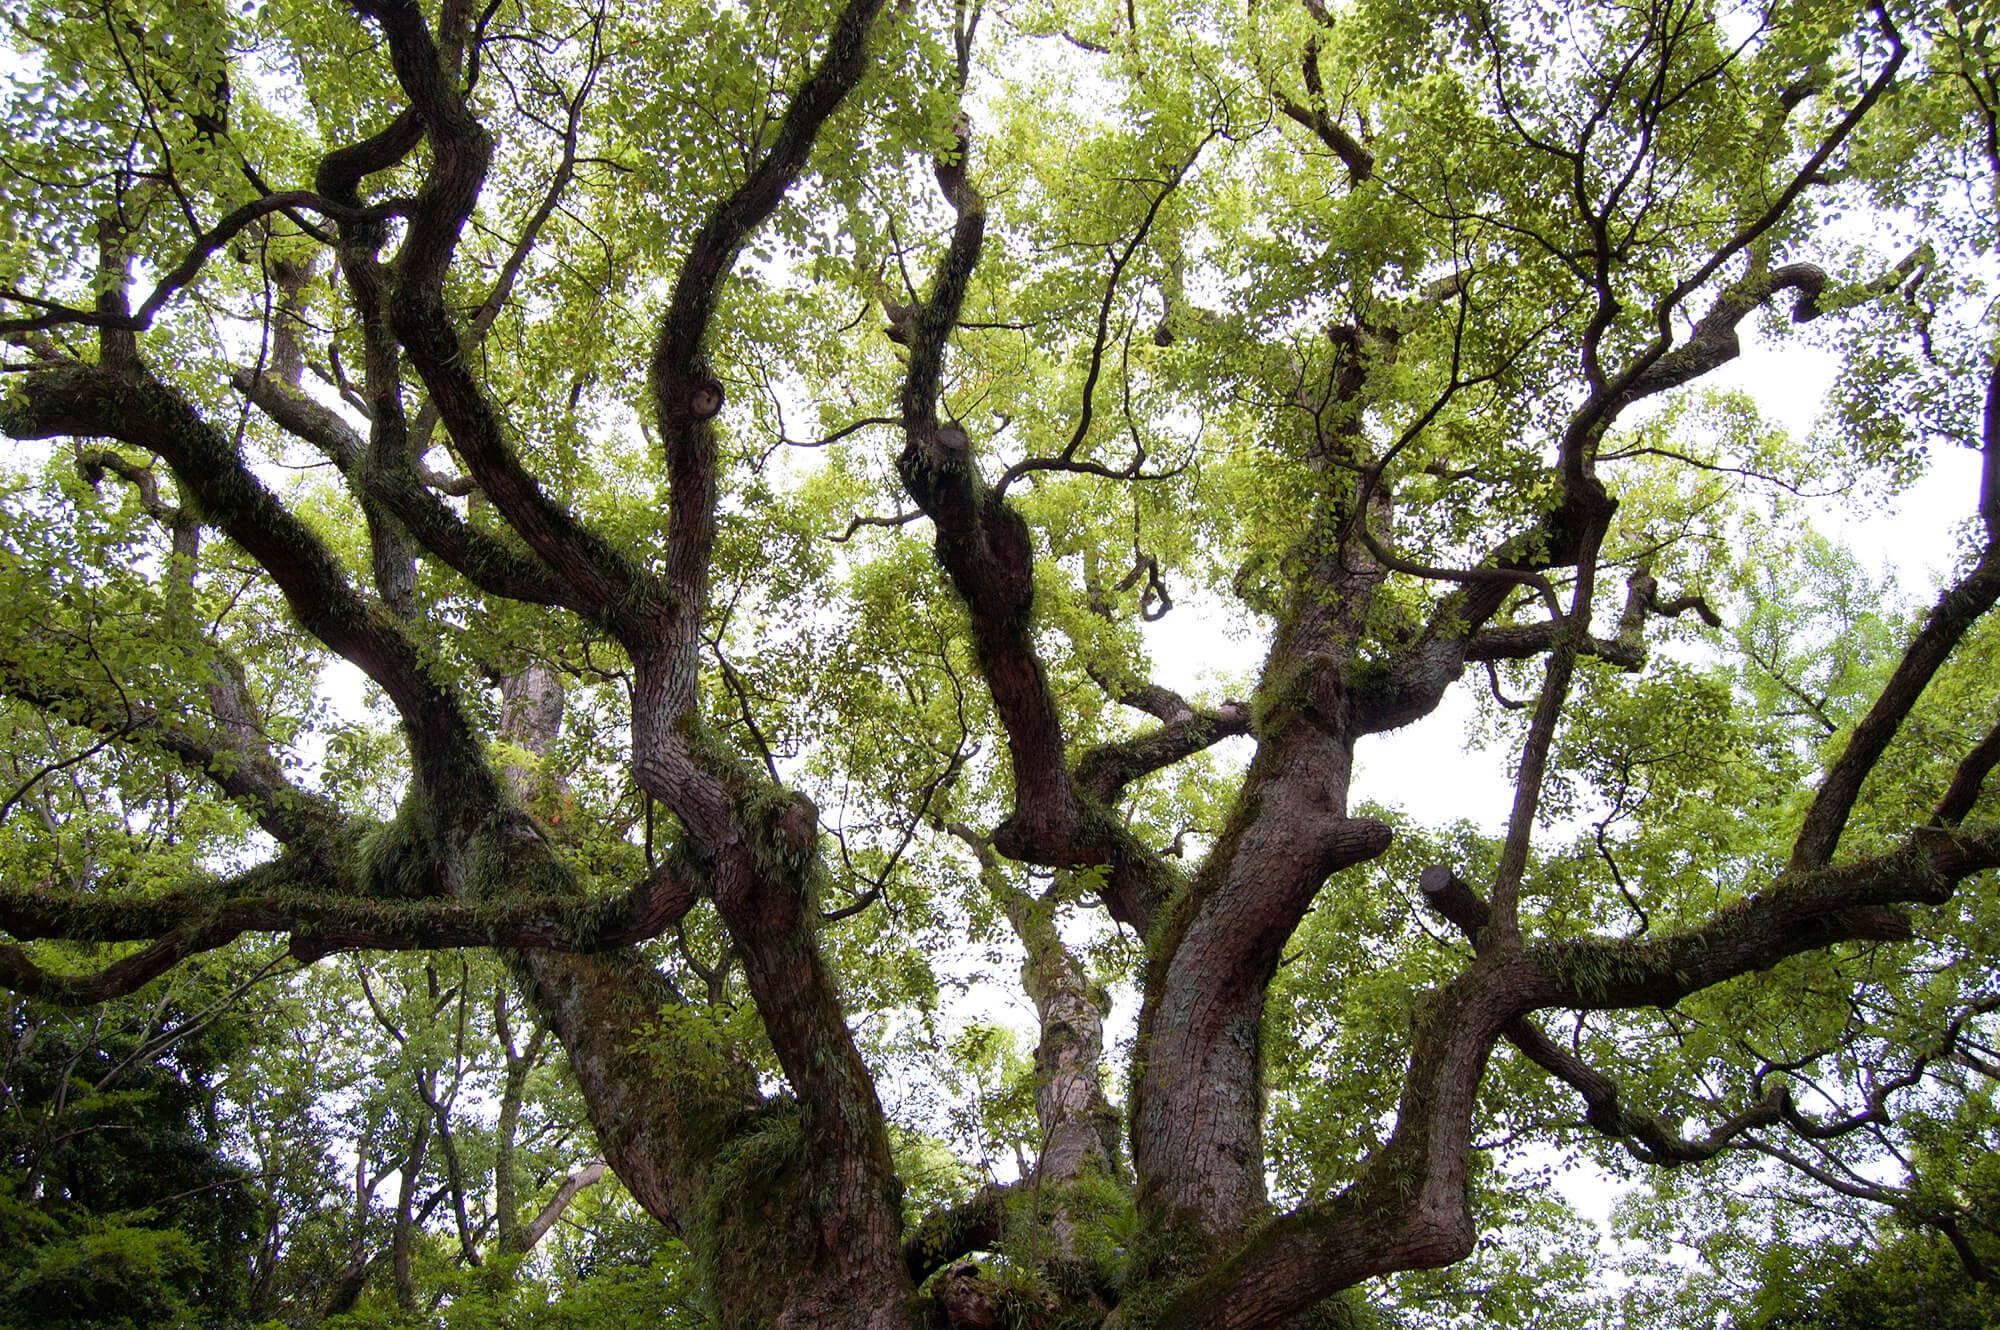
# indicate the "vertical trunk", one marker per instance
pixel 787 1206
pixel 345 1289
pixel 506 1197
pixel 1077 1124
pixel 1077 1128
pixel 509 1234
pixel 845 1219
pixel 657 1113
pixel 659 1098
pixel 1197 1128
pixel 760 1192
pixel 406 1219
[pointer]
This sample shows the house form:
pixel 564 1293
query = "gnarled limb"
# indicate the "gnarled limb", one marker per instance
pixel 1648 1136
pixel 83 400
pixel 175 935
pixel 987 554
pixel 404 493
pixel 242 768
pixel 1409 1209
pixel 685 397
pixel 206 246
pixel 1197 1132
pixel 605 584
pixel 1804 909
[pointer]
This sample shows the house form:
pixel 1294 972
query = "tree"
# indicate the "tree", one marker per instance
pixel 117 1204
pixel 467 346
pixel 1905 1281
pixel 406 1136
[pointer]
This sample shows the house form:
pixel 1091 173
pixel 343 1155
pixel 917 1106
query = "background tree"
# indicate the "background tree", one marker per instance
pixel 475 348
pixel 117 1202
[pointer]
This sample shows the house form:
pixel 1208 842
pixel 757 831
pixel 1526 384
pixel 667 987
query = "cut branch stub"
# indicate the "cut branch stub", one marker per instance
pixel 1450 895
pixel 704 398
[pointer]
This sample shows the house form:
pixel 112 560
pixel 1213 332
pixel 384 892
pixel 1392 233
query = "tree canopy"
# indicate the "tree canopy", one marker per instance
pixel 788 488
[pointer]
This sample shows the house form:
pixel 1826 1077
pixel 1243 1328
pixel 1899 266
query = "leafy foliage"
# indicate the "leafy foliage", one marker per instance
pixel 810 592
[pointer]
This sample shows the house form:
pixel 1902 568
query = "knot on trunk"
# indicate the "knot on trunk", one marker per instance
pixel 704 398
pixel 968 1300
pixel 936 463
pixel 784 834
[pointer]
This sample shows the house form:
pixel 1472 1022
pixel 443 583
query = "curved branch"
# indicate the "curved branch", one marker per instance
pixel 57 315
pixel 88 400
pixel 1526 641
pixel 1066 460
pixel 1360 162
pixel 292 895
pixel 685 396
pixel 572 1186
pixel 1972 772
pixel 485 562
pixel 1804 910
pixel 1647 1136
pixel 1603 406
pixel 244 772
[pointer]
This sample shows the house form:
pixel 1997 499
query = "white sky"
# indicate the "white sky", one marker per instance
pixel 1426 768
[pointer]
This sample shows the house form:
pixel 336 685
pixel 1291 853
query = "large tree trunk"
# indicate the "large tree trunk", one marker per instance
pixel 737 1177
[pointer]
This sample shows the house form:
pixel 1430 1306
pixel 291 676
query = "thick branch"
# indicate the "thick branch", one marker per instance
pixel 1409 1208
pixel 1451 896
pixel 1526 641
pixel 176 935
pixel 1360 162
pixel 1105 771
pixel 1419 677
pixel 604 583
pixel 1596 414
pixel 987 553
pixel 84 400
pixel 1966 782
pixel 1804 910
pixel 479 558
pixel 572 1186
pixel 243 771
pixel 318 907
pixel 1077 1125
pixel 1714 341
pixel 685 396
pixel 1957 610
pixel 1649 1137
